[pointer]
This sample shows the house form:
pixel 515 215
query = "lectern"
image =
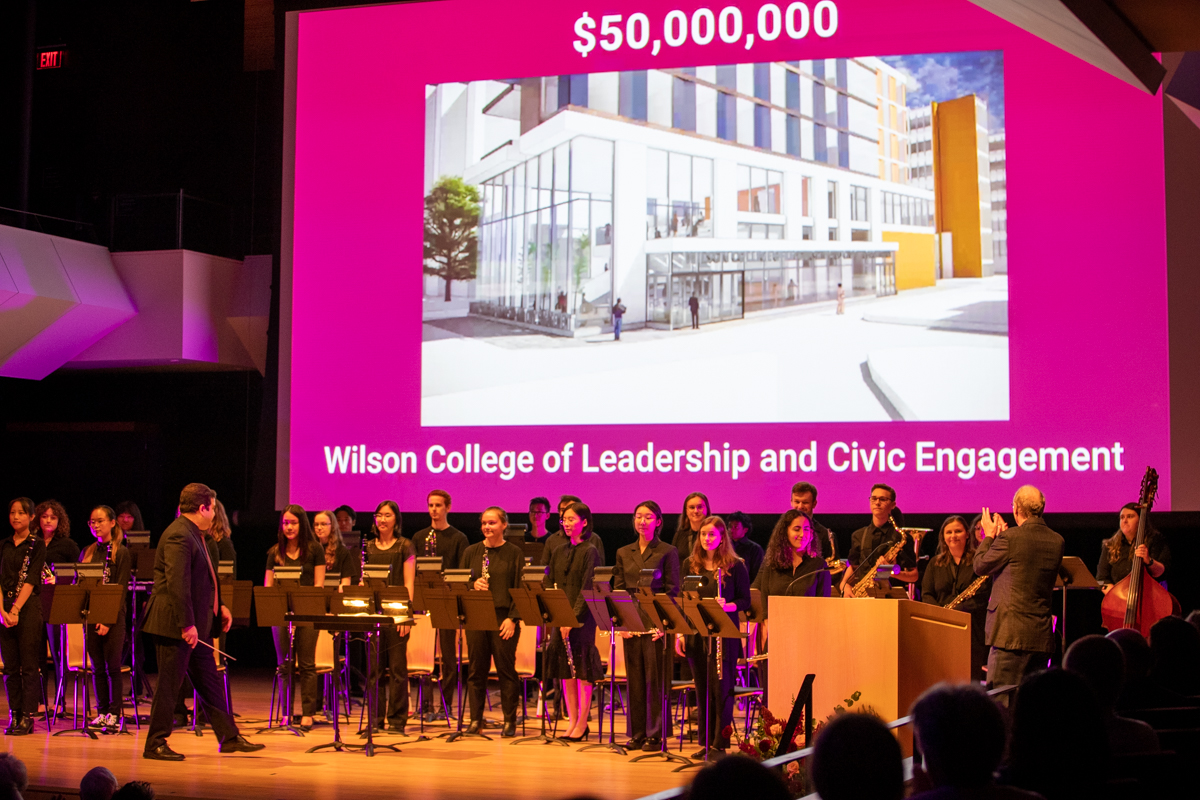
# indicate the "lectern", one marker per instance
pixel 890 650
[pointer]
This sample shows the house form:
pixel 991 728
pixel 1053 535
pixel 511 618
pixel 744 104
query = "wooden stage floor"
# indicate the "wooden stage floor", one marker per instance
pixel 468 769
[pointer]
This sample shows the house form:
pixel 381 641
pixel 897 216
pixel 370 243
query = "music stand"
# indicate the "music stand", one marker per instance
pixel 461 611
pixel 1073 574
pixel 349 618
pixel 552 608
pixel 429 576
pixel 668 618
pixel 615 612
pixel 710 621
pixel 273 606
pixel 141 577
pixel 86 604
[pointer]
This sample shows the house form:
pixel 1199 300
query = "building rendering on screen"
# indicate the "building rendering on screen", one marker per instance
pixel 749 187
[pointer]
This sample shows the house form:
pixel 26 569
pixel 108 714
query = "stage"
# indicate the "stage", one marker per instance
pixel 467 769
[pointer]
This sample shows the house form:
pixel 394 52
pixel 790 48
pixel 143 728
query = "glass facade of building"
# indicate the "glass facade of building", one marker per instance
pixel 678 195
pixel 545 238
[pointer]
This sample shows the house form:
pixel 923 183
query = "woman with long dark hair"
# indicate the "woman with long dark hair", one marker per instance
pixel 105 642
pixel 297 547
pixel 1115 559
pixel 389 547
pixel 949 574
pixel 338 558
pixel 21 559
pixel 129 517
pixel 726 579
pixel 572 651
pixel 793 562
pixel 645 659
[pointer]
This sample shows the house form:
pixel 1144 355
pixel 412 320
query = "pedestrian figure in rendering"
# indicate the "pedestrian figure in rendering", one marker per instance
pixel 618 311
pixel 841 297
pixel 694 305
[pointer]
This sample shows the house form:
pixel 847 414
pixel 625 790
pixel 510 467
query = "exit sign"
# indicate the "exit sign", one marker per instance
pixel 52 59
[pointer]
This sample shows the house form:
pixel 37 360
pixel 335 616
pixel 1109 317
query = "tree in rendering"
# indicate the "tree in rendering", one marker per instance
pixel 451 231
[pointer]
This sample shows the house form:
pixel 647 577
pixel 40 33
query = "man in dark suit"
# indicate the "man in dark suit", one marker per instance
pixel 181 611
pixel 1024 563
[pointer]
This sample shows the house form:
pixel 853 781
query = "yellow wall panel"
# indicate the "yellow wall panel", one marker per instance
pixel 916 262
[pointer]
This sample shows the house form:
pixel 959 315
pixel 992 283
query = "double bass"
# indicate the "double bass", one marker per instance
pixel 1138 601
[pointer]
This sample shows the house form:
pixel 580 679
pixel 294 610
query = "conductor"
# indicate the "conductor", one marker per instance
pixel 182 610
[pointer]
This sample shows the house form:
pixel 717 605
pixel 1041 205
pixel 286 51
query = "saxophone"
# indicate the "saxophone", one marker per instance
pixel 48 574
pixel 968 592
pixel 860 589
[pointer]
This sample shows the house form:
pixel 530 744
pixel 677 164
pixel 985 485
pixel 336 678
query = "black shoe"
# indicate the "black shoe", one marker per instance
pixel 240 744
pixel 699 755
pixel 476 726
pixel 163 753
pixel 652 745
pixel 13 722
pixel 635 743
pixel 509 730
pixel 398 727
pixel 24 727
pixel 180 720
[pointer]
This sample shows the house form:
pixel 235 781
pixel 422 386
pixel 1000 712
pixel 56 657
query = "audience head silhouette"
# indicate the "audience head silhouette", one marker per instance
pixel 135 790
pixel 1175 655
pixel 1102 665
pixel 857 758
pixel 12 770
pixel 737 776
pixel 961 733
pixel 1059 742
pixel 98 784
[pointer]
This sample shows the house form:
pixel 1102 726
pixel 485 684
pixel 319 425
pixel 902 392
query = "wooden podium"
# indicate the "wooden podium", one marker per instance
pixel 890 650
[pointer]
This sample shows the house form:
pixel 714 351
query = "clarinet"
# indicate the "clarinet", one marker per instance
pixel 720 651
pixel 363 557
pixel 431 543
pixel 485 563
pixel 107 562
pixel 21 576
pixel 567 645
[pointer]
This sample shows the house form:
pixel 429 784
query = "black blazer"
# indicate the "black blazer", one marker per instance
pixel 1023 563
pixel 735 588
pixel 810 578
pixel 183 583
pixel 658 556
pixel 572 570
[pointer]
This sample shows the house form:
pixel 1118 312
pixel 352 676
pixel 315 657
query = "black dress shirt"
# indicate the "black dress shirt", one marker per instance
pixel 735 588
pixel 12 557
pixel 118 573
pixel 62 550
pixel 773 581
pixel 558 539
pixel 944 582
pixel 571 569
pixel 658 555
pixel 1108 572
pixel 448 544
pixel 750 552
pixel 504 573
pixel 825 539
pixel 347 565
pixel 395 556
pixel 865 541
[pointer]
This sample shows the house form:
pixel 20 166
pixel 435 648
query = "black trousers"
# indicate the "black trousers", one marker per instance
pixel 1009 667
pixel 487 646
pixel 105 654
pixel 175 660
pixel 306 665
pixel 645 664
pixel 710 689
pixel 22 650
pixel 393 657
pixel 449 679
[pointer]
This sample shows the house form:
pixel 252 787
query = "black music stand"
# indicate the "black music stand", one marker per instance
pixel 669 619
pixel 553 610
pixel 86 604
pixel 141 578
pixel 616 613
pixel 1073 574
pixel 461 611
pixel 355 616
pixel 273 604
pixel 710 621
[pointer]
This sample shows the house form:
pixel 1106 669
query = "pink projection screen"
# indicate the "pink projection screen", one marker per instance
pixel 845 241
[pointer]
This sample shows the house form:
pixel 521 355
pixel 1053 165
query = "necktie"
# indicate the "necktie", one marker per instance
pixel 207 560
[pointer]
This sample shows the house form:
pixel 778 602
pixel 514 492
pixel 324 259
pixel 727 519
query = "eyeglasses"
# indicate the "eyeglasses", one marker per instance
pixel 880 500
pixel 95 522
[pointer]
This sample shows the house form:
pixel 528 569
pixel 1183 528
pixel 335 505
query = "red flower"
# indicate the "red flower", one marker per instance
pixel 765 745
pixel 747 748
pixel 727 731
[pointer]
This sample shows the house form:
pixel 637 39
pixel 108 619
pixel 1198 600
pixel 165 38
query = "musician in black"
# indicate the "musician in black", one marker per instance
pixel 949 574
pixel 21 559
pixel 105 643
pixel 748 550
pixel 793 566
pixel 389 547
pixel 339 560
pixel 571 652
pixel 804 498
pixel 725 578
pixel 1115 560
pixel 443 540
pixel 560 537
pixel 495 567
pixel 695 509
pixel 871 541
pixel 645 657
pixel 297 547
pixel 54 525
